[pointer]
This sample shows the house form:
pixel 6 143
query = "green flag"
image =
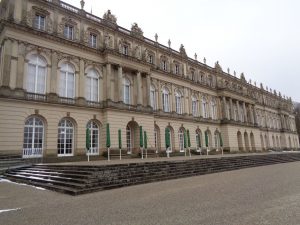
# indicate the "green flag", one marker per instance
pixel 167 137
pixel 120 139
pixel 141 137
pixel 87 139
pixel 107 136
pixel 221 141
pixel 184 139
pixel 206 139
pixel 188 138
pixel 145 140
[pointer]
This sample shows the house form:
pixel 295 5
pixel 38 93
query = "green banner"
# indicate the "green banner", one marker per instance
pixel 141 137
pixel 189 138
pixel 206 139
pixel 145 140
pixel 184 139
pixel 87 139
pixel 120 139
pixel 167 137
pixel 107 136
pixel 221 141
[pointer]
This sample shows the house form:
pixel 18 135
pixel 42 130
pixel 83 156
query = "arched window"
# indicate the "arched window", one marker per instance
pixel 67 81
pixel 194 106
pixel 128 139
pixel 92 86
pixel 181 139
pixel 33 138
pixel 193 76
pixel 236 114
pixel 213 109
pixel 153 97
pixel 204 108
pixel 126 87
pixel 65 138
pixel 178 102
pixel 164 65
pixel 166 100
pixel 36 75
pixel 94 137
pixel 217 139
pixel 198 139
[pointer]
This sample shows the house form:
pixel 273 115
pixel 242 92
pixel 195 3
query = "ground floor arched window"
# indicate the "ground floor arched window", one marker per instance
pixel 94 137
pixel 128 139
pixel 181 139
pixel 33 138
pixel 65 141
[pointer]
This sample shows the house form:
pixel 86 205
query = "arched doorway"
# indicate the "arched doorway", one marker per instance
pixel 93 127
pixel 132 137
pixel 252 142
pixel 157 142
pixel 199 139
pixel 246 138
pixel 208 139
pixel 181 139
pixel 65 142
pixel 240 141
pixel 172 140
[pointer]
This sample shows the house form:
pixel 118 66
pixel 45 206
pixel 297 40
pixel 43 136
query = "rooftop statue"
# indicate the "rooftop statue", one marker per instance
pixel 110 17
pixel 218 67
pixel 182 50
pixel 136 30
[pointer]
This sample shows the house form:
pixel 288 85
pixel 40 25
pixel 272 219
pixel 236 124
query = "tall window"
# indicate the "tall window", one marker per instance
pixel 33 138
pixel 217 139
pixel 92 86
pixel 125 49
pixel 67 81
pixel 65 137
pixel 153 97
pixel 94 137
pixel 235 113
pixel 69 32
pixel 241 113
pixel 126 87
pixel 193 77
pixel 204 108
pixel 165 100
pixel 194 106
pixel 164 65
pixel 39 22
pixel 36 76
pixel 214 109
pixel 198 139
pixel 181 139
pixel 176 69
pixel 156 138
pixel 128 139
pixel 93 40
pixel 150 58
pixel 178 102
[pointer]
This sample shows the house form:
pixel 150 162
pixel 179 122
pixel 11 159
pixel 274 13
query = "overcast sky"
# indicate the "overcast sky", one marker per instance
pixel 258 37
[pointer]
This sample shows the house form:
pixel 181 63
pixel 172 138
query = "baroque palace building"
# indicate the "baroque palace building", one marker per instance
pixel 63 70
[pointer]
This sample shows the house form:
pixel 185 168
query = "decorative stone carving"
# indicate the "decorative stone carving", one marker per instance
pixel 68 20
pixel 136 30
pixel 109 18
pixel 182 50
pixel 156 37
pixel 218 67
pixel 242 77
pixel 137 52
pixel 195 56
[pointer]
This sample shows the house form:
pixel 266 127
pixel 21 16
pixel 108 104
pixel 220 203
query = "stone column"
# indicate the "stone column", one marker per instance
pixel 13 66
pixel 159 96
pixel 7 51
pixel 254 115
pixel 81 79
pixel 231 109
pixel 245 113
pixel 120 83
pixel 20 67
pixel 53 78
pixel 224 108
pixel 186 102
pixel 108 83
pixel 238 110
pixel 139 89
pixel 148 82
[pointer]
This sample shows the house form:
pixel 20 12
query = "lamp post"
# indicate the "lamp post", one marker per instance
pixel 141 141
pixel 120 143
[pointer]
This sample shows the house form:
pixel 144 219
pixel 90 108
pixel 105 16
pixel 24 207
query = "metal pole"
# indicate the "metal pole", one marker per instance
pixel 146 153
pixel 142 153
pixel 108 156
pixel 120 154
pixel 190 152
pixel 168 153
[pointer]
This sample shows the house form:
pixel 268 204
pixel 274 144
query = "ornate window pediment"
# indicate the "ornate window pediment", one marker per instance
pixel 68 28
pixel 39 18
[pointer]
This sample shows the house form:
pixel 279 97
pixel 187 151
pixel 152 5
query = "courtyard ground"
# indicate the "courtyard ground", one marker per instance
pixel 268 195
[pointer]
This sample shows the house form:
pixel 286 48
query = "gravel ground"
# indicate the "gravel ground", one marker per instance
pixel 268 195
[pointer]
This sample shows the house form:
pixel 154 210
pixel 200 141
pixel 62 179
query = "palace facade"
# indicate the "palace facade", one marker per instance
pixel 63 70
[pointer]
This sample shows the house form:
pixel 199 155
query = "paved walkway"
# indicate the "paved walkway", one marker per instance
pixel 175 158
pixel 267 195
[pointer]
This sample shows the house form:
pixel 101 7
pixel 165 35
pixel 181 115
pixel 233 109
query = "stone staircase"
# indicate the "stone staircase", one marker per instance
pixel 75 180
pixel 8 161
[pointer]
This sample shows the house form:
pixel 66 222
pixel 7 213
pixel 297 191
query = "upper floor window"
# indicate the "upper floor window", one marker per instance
pixel 69 32
pixel 194 106
pixel 164 65
pixel 39 22
pixel 93 40
pixel 92 86
pixel 193 77
pixel 153 97
pixel 204 108
pixel 178 102
pixel 176 69
pixel 126 88
pixel 214 110
pixel 67 81
pixel 125 49
pixel 36 76
pixel 151 59
pixel 166 100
